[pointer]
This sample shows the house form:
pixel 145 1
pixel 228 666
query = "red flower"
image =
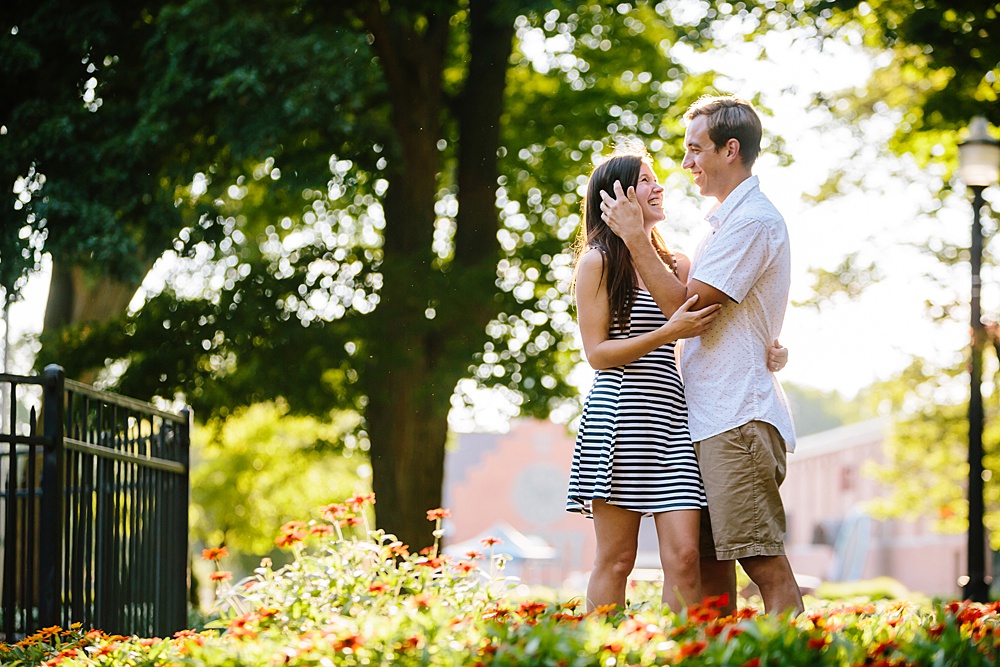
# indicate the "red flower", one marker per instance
pixel 215 553
pixel 490 541
pixel 321 529
pixel 691 649
pixel 473 555
pixel 221 575
pixel 436 514
pixel 752 662
pixel 816 643
pixel 716 602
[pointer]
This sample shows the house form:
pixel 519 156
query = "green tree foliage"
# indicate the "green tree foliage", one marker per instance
pixel 815 410
pixel 371 200
pixel 262 467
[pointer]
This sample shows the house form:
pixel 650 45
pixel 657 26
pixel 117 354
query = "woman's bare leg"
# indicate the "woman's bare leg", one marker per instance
pixel 677 534
pixel 617 542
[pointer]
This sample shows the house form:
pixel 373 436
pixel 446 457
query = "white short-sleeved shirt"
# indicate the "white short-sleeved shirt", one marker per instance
pixel 746 256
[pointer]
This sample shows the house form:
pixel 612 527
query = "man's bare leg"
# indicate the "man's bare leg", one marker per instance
pixel 774 576
pixel 718 577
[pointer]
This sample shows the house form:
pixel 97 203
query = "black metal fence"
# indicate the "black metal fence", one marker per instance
pixel 93 511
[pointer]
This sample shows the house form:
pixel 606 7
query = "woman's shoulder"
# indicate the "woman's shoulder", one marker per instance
pixel 592 258
pixel 683 262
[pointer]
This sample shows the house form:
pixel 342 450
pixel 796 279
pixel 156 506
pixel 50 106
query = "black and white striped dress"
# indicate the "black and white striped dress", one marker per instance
pixel 633 448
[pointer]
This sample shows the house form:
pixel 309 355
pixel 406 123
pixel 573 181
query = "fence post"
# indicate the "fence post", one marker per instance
pixel 183 504
pixel 50 537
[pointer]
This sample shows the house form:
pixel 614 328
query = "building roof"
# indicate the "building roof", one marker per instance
pixel 859 434
pixel 514 543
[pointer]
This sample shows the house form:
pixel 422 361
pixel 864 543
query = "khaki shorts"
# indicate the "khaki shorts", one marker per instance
pixel 742 470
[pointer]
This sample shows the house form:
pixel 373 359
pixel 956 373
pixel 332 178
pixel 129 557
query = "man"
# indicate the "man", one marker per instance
pixel 739 419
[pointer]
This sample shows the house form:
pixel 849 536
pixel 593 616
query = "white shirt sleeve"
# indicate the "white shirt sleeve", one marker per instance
pixel 735 257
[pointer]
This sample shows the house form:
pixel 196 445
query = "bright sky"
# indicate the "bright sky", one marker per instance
pixel 844 346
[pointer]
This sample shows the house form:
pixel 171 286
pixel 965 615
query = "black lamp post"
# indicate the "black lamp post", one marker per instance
pixel 979 166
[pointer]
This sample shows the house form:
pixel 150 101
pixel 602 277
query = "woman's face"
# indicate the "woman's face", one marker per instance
pixel 649 194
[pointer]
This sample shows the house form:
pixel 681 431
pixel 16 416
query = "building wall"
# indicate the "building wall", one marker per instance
pixel 826 485
pixel 519 477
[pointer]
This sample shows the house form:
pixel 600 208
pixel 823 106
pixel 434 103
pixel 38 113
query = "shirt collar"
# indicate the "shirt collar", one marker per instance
pixel 721 211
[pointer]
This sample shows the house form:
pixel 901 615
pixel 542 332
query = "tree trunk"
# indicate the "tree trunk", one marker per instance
pixel 430 321
pixel 408 426
pixel 76 297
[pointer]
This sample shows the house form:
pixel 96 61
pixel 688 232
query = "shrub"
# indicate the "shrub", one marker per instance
pixel 355 596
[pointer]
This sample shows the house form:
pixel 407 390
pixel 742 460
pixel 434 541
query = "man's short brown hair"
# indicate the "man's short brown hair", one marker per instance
pixel 730 118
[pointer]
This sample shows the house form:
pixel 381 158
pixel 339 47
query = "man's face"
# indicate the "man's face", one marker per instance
pixel 705 163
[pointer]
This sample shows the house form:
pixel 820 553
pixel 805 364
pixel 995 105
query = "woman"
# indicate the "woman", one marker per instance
pixel 633 452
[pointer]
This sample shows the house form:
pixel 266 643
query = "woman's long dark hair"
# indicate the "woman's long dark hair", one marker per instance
pixel 624 166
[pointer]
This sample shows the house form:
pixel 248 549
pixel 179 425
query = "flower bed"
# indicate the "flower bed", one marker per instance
pixel 354 596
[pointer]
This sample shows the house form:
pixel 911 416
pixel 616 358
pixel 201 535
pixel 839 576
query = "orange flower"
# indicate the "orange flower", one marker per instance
pixel 399 549
pixel 240 626
pixel 490 541
pixel 289 539
pixel 439 513
pixel 378 587
pixel 532 609
pixel 571 605
pixel 321 529
pixel 334 511
pixel 411 643
pixel 603 609
pixel 464 567
pixel 221 575
pixel 473 555
pixel 215 553
pixel 351 642
pixel 358 500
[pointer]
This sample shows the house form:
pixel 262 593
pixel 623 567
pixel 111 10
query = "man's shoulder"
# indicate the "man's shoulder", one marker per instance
pixel 758 207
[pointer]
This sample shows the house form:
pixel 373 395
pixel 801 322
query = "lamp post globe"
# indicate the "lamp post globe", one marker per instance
pixel 979 167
